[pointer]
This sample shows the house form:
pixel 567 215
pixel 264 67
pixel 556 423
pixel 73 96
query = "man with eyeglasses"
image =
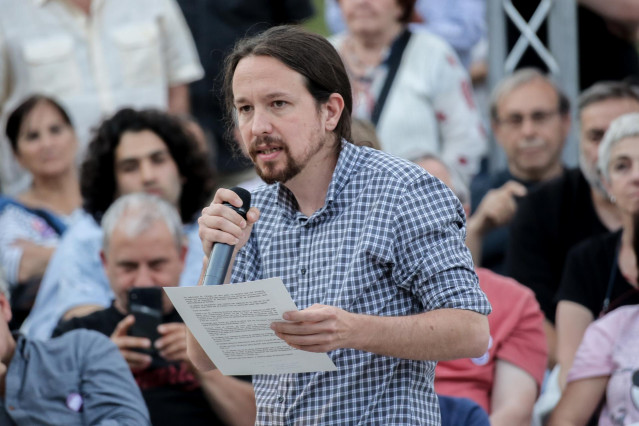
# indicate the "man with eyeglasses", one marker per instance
pixel 530 119
pixel 559 214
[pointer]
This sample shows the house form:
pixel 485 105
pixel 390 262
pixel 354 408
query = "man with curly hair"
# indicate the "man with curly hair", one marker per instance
pixel 133 151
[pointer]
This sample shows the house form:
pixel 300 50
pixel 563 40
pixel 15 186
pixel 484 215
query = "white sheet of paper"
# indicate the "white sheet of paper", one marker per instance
pixel 232 324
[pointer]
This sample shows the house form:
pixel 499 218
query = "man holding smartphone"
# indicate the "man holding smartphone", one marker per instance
pixel 143 250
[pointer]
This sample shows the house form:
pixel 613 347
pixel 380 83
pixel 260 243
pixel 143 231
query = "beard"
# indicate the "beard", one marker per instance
pixel 272 172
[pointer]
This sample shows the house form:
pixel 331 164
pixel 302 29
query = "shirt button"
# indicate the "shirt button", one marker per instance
pixel 11 407
pixel 303 271
pixel 280 399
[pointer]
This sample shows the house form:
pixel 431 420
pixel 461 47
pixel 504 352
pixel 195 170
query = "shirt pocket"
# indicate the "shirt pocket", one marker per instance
pixel 51 65
pixel 139 49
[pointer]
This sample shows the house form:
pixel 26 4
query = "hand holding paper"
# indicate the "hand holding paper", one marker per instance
pixel 232 324
pixel 319 328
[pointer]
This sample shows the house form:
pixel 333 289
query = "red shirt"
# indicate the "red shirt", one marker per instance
pixel 516 335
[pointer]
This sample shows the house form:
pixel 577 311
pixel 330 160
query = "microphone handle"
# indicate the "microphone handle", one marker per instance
pixel 218 264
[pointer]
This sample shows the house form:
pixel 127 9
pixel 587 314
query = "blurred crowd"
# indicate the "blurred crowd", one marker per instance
pixel 114 137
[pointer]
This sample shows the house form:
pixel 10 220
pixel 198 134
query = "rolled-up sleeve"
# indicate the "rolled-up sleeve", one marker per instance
pixel 431 259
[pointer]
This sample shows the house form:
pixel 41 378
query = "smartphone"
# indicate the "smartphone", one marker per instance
pixel 145 304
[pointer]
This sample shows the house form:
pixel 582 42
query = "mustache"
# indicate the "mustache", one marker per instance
pixel 265 140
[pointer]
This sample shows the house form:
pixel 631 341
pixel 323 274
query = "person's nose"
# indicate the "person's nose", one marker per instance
pixel 261 124
pixel 147 171
pixel 528 127
pixel 143 277
pixel 46 139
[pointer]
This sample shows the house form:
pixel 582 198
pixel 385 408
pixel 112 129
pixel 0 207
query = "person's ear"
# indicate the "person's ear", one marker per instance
pixel 103 259
pixel 184 250
pixel 333 108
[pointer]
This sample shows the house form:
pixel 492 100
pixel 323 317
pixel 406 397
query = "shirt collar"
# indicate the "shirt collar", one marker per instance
pixel 347 163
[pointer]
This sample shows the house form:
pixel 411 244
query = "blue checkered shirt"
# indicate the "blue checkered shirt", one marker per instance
pixel 388 241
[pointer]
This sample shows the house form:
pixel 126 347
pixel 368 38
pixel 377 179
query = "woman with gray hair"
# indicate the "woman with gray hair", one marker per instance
pixel 601 273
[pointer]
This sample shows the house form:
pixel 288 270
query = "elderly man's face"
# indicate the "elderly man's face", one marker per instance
pixel 149 259
pixel 531 130
pixel 284 131
pixel 595 120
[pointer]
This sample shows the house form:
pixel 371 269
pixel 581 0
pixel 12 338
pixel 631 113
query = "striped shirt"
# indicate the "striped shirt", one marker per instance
pixel 389 241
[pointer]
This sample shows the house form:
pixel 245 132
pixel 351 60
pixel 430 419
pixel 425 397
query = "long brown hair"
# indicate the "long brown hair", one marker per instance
pixel 307 53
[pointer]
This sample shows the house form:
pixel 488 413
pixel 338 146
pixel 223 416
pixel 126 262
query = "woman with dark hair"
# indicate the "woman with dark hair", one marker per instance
pixel 411 86
pixel 44 143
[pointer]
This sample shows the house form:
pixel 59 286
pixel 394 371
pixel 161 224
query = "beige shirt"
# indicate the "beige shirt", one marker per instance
pixel 125 53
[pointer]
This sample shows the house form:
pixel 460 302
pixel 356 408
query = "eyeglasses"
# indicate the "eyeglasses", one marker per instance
pixel 515 121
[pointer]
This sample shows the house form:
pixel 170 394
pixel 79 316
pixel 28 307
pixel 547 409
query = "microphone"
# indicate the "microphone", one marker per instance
pixel 222 253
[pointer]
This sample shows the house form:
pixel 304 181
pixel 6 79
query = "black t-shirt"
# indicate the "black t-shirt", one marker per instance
pixel 171 392
pixel 590 268
pixel 549 221
pixel 493 251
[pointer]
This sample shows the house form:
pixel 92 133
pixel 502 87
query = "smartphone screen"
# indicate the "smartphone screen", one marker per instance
pixel 145 304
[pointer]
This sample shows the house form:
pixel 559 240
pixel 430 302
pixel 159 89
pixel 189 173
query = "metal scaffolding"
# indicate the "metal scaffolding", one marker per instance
pixel 559 54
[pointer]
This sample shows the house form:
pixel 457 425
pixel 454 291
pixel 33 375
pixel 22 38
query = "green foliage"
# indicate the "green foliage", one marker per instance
pixel 316 23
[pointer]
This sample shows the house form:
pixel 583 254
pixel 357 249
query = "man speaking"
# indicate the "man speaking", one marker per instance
pixel 370 247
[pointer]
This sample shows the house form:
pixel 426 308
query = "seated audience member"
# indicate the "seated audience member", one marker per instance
pixel 605 369
pixel 77 379
pixel 95 57
pixel 506 380
pixel 420 104
pixel 132 151
pixel 530 118
pixel 556 215
pixel 460 22
pixel 144 246
pixel 43 143
pixel 601 272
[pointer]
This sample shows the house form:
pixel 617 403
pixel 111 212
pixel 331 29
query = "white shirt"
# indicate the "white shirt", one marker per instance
pixel 430 107
pixel 125 53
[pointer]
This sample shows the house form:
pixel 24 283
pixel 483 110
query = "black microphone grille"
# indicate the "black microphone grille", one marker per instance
pixel 245 196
